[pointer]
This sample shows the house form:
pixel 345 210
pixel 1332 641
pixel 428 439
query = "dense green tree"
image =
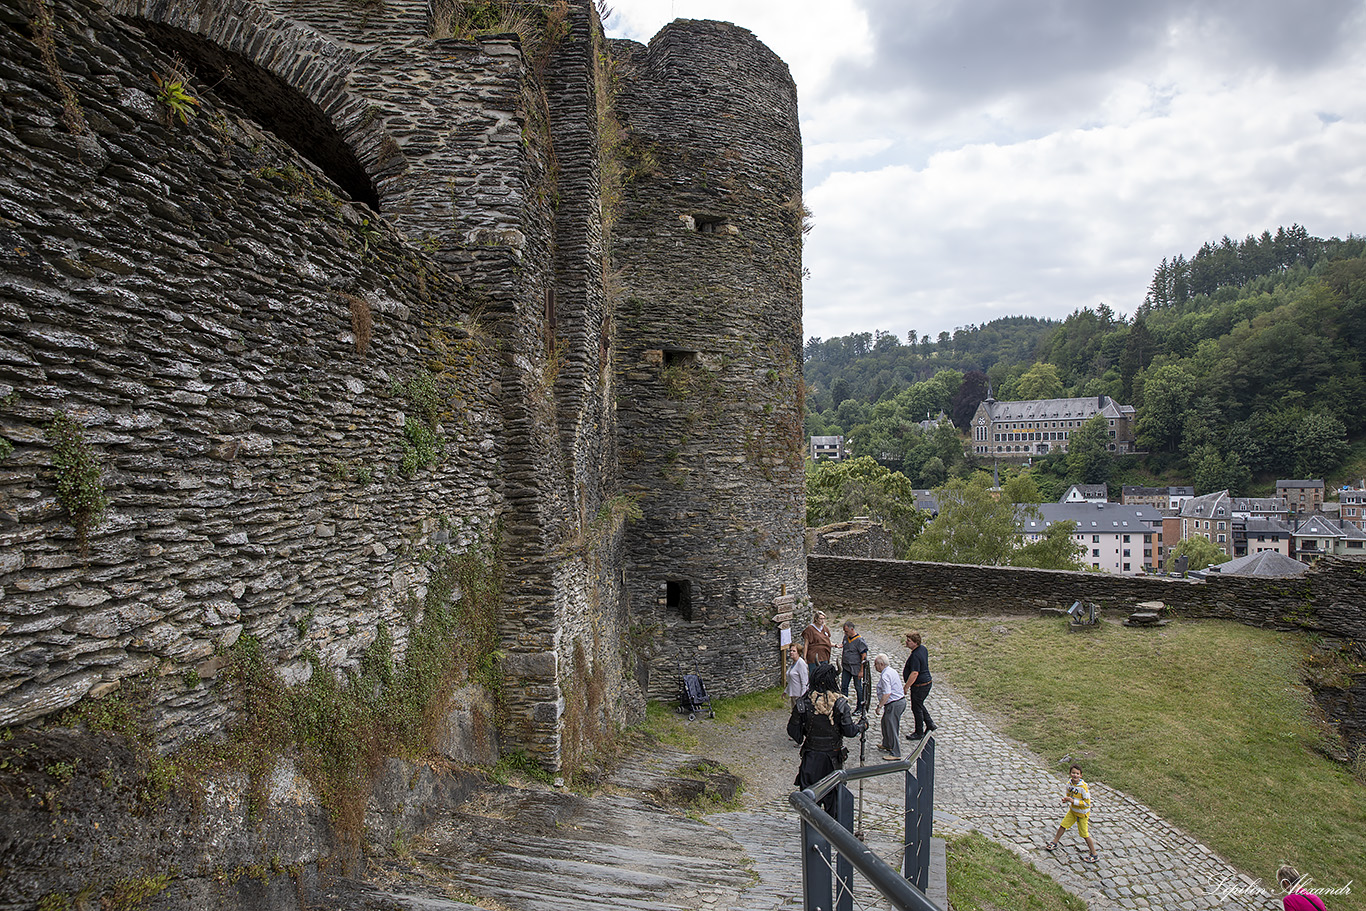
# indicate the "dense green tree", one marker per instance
pixel 1321 445
pixel 971 393
pixel 1200 553
pixel 840 491
pixel 1056 549
pixel 1213 470
pixel 1167 393
pixel 1021 487
pixel 933 472
pixel 973 525
pixel 1039 382
pixel 1089 459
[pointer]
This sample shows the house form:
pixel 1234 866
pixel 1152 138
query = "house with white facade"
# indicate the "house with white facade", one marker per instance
pixel 1115 538
pixel 1086 493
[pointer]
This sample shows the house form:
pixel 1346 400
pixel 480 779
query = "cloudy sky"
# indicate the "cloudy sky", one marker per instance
pixel 973 159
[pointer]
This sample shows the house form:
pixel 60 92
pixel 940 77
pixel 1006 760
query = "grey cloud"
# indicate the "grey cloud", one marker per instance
pixel 950 52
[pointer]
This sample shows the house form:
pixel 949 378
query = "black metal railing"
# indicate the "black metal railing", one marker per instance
pixel 828 886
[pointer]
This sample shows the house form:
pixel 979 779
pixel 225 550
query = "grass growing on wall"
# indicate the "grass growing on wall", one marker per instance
pixel 341 728
pixel 80 477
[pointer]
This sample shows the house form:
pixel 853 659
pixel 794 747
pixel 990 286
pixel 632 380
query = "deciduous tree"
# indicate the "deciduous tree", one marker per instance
pixel 839 491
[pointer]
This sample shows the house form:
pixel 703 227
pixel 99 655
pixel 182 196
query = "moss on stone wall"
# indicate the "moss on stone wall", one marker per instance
pixel 342 728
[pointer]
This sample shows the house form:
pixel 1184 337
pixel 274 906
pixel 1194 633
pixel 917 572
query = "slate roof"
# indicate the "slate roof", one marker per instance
pixel 1267 563
pixel 1095 518
pixel 1204 507
pixel 1263 525
pixel 1250 505
pixel 1320 526
pixel 1057 409
pixel 1294 484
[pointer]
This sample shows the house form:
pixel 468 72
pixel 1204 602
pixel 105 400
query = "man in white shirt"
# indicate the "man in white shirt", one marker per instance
pixel 891 702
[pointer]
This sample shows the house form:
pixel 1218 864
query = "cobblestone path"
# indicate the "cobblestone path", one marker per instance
pixel 622 849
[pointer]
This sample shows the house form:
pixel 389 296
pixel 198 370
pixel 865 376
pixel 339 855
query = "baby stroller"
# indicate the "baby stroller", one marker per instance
pixel 692 696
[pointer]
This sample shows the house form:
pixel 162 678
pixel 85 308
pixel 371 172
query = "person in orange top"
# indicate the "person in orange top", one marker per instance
pixel 817 639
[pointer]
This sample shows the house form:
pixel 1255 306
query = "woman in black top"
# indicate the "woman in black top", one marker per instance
pixel 917 677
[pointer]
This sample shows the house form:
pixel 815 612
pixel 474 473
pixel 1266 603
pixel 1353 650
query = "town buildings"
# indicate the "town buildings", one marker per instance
pixel 1301 496
pixel 829 448
pixel 1157 497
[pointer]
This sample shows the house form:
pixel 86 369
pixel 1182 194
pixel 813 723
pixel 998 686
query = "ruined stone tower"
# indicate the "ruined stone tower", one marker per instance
pixel 339 344
pixel 708 323
pixel 384 297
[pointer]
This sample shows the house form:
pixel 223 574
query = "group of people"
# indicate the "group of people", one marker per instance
pixel 822 715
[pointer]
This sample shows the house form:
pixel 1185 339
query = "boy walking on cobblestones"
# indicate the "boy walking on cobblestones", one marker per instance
pixel 1078 800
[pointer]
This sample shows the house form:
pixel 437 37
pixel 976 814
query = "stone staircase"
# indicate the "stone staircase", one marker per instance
pixel 628 847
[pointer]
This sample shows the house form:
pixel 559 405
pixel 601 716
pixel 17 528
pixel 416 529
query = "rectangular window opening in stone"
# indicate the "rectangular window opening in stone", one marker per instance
pixel 678 596
pixel 676 358
pixel 710 224
pixel 550 320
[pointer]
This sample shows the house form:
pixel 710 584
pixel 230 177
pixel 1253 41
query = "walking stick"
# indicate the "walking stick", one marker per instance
pixel 862 746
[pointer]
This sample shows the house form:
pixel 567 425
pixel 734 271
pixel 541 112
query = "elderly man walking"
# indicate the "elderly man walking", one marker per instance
pixel 891 702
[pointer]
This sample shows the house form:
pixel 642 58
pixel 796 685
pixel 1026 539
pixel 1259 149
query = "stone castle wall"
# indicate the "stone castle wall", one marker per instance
pixel 368 239
pixel 1326 600
pixel 362 224
pixel 707 242
pixel 184 292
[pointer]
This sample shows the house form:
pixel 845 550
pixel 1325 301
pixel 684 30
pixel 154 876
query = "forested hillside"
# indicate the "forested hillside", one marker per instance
pixel 1244 361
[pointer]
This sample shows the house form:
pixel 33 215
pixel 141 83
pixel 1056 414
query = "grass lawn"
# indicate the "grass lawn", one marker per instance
pixel 664 721
pixel 1206 722
pixel 983 876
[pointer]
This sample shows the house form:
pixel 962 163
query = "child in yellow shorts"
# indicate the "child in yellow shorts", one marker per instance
pixel 1078 800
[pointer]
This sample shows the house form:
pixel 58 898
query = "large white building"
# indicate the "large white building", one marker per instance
pixel 1021 430
pixel 1115 538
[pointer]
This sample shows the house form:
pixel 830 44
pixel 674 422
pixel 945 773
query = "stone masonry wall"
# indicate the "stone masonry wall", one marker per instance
pixel 708 247
pixel 459 138
pixel 224 253
pixel 185 294
pixel 1328 599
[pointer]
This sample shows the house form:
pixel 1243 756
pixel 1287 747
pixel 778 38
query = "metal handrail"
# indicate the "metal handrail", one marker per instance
pixel 898 889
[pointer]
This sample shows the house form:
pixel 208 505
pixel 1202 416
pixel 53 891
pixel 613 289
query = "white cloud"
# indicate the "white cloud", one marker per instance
pixel 1078 154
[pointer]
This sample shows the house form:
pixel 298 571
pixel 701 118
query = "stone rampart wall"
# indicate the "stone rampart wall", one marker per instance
pixel 185 292
pixel 1329 599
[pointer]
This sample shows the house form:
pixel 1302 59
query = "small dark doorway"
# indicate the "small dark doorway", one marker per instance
pixel 678 596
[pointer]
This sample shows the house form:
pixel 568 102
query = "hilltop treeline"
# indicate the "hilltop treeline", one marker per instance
pixel 1244 361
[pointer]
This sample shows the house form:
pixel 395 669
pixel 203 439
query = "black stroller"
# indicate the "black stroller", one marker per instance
pixel 692 695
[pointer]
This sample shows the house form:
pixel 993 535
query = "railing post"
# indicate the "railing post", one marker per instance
pixel 820 882
pixel 817 880
pixel 915 864
pixel 844 869
pixel 831 852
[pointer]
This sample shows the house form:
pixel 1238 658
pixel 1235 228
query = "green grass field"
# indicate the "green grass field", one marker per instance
pixel 983 876
pixel 1205 722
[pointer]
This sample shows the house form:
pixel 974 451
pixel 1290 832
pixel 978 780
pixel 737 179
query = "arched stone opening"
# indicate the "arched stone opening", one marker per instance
pixel 243 59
